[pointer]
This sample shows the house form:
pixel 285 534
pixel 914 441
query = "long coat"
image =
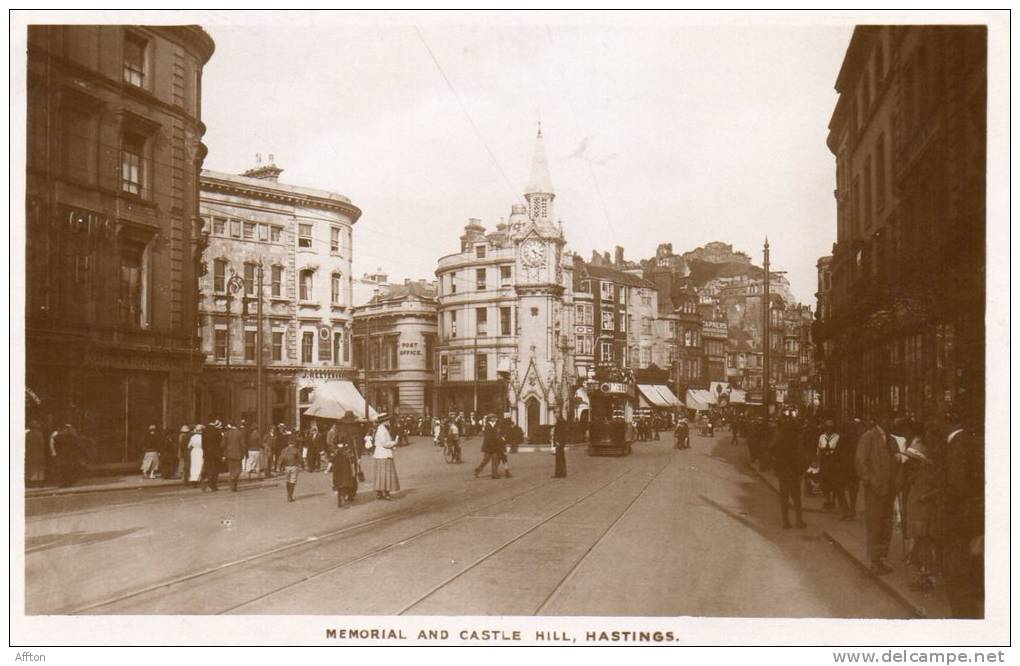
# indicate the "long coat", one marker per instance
pixel 234 446
pixel 875 463
pixel 345 477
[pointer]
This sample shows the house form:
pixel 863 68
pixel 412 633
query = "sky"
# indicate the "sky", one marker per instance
pixel 655 133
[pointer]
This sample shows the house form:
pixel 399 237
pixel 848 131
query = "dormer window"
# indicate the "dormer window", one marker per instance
pixel 135 47
pixel 480 251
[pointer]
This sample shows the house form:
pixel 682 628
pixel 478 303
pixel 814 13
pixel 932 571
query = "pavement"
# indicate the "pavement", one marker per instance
pixel 851 538
pixel 661 532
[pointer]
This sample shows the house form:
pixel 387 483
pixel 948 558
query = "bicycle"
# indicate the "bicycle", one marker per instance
pixel 450 451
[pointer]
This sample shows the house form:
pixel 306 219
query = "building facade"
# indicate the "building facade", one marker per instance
pixel 394 348
pixel 113 245
pixel 300 239
pixel 903 322
pixel 505 313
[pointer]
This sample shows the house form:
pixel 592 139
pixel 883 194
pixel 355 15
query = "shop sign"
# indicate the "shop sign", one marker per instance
pixel 614 387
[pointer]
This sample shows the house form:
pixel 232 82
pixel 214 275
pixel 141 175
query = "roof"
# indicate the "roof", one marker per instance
pixel 269 188
pixel 540 180
pixel 400 292
pixel 617 276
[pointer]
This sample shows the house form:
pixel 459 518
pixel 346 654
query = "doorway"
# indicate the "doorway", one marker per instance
pixel 534 415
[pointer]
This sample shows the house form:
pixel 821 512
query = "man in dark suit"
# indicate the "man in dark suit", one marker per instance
pixel 963 518
pixel 876 465
pixel 492 447
pixel 212 452
pixel 234 449
pixel 789 466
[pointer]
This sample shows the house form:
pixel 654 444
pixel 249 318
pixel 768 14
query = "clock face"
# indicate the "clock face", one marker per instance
pixel 533 252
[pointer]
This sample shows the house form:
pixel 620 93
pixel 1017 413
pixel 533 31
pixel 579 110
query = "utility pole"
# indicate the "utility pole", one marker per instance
pixel 475 358
pixel 259 389
pixel 368 355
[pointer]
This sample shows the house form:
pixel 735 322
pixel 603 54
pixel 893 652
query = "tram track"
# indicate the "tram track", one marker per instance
pixel 310 543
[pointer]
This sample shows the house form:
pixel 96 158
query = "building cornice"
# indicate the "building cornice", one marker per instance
pixel 227 184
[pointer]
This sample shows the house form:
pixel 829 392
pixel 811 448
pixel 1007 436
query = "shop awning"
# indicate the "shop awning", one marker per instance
pixel 652 398
pixel 738 397
pixel 668 395
pixel 699 399
pixel 503 365
pixel 339 400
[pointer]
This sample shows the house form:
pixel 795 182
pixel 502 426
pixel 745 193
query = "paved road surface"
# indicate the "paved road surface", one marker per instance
pixel 659 533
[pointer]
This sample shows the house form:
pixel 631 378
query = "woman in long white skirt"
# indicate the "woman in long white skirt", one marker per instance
pixel 195 449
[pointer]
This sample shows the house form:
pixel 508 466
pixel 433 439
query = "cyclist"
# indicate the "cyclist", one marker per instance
pixel 453 440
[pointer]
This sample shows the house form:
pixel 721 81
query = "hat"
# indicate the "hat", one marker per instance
pixel 829 424
pixel 152 427
pixel 199 428
pixel 382 417
pixel 185 428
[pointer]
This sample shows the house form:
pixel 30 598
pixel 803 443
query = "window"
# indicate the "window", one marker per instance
pixel 133 284
pixel 481 366
pixel 504 321
pixel 305 284
pixel 249 231
pixel 338 346
pixel 334 289
pixel 275 234
pixel 480 251
pixel 263 232
pixel 134 59
pixel 606 352
pixel 235 228
pixel 607 321
pixel 453 323
pixel 132 173
pixel 249 345
pixel 277 345
pixel 249 279
pixel 304 235
pixel 623 295
pixel 481 321
pixel 646 325
pixel 220 344
pixel 623 322
pixel 480 279
pixel 307 343
pixel 607 290
pixel 219 275
pixel 219 226
pixel 582 344
pixel 586 285
pixel 646 297
pixel 453 283
pixel 505 276
pixel 645 357
pixel 325 348
pixel 334 239
pixel 277 281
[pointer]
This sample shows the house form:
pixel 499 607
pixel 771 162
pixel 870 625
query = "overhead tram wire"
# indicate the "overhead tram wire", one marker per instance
pixel 463 108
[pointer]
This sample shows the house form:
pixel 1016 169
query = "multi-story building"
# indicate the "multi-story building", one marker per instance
pixel 370 285
pixel 113 156
pixel 300 239
pixel 394 348
pixel 505 313
pixel 903 325
pixel 714 335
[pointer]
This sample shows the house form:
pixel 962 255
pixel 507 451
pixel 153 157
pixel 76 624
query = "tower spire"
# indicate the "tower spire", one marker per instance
pixel 540 181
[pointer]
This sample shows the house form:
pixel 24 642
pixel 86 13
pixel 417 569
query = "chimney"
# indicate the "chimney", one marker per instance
pixel 605 258
pixel 267 171
pixel 619 256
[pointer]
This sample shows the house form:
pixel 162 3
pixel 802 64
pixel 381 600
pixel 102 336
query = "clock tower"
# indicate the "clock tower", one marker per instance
pixel 537 381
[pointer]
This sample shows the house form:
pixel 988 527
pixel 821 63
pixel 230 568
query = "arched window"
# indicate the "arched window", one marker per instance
pixel 305 282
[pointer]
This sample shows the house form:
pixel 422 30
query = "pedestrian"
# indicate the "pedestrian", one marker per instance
pixel 851 482
pixel 682 434
pixel 735 425
pixel 212 454
pixel 505 443
pixel 386 480
pixel 254 463
pixel 963 519
pixel 234 450
pixel 269 451
pixel 35 455
pixel 168 456
pixel 560 471
pixel 313 442
pixel 152 443
pixel 345 474
pixel 183 454
pixel 828 461
pixel 193 474
pixel 437 433
pixel 453 434
pixel 290 463
pixel 876 465
pixel 67 455
pixel 921 490
pixel 789 466
pixel 491 448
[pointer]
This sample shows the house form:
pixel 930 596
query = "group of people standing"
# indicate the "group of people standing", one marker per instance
pixel 58 454
pixel 927 477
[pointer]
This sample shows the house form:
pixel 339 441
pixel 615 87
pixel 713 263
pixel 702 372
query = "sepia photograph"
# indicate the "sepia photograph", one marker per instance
pixel 509 328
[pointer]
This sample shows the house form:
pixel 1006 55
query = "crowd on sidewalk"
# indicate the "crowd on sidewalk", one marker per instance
pixel 922 479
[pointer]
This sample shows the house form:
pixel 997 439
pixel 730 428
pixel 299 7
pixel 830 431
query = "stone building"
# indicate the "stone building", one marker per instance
pixel 505 313
pixel 394 348
pixel 113 248
pixel 301 240
pixel 903 322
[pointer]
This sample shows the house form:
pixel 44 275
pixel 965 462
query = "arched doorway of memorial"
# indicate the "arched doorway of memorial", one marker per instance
pixel 534 415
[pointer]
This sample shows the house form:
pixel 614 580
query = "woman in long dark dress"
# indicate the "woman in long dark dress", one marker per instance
pixel 345 473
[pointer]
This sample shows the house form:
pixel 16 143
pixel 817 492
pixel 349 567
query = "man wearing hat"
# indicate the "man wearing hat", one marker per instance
pixel 212 453
pixel 877 468
pixel 234 449
pixel 492 448
pixel 152 445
